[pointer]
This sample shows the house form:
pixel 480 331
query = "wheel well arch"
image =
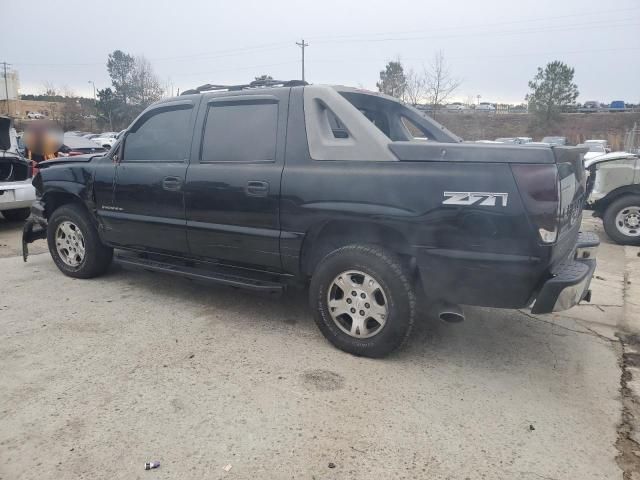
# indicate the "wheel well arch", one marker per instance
pixel 601 205
pixel 55 199
pixel 327 237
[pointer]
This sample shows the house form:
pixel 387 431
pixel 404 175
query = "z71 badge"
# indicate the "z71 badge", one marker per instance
pixel 485 199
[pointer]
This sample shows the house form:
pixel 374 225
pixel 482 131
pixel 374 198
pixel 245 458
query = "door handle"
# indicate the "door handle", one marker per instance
pixel 172 184
pixel 257 188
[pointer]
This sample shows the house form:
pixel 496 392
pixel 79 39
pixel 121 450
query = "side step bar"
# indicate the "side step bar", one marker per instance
pixel 221 275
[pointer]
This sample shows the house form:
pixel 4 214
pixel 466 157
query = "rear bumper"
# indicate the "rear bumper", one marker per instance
pixel 16 195
pixel 510 281
pixel 570 280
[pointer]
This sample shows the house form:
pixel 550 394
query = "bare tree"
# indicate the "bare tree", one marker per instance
pixel 145 84
pixel 49 89
pixel 68 92
pixel 416 87
pixel 440 83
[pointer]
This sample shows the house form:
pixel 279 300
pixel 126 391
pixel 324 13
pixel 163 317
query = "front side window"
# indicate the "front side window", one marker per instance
pixel 243 132
pixel 163 137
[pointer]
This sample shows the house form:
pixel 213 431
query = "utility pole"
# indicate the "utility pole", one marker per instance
pixel 95 100
pixel 302 45
pixel 95 103
pixel 6 85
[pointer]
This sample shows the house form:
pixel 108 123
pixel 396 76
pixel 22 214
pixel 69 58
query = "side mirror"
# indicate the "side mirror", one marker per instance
pixel 116 156
pixel 117 150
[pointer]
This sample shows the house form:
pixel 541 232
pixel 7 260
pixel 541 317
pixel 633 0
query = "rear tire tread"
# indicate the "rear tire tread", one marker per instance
pixel 609 219
pixel 400 328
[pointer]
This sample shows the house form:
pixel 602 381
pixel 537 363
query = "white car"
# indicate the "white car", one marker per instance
pixel 604 143
pixel 35 116
pixel 486 107
pixel 514 140
pixel 456 106
pixel 595 150
pixel 106 139
pixel 16 192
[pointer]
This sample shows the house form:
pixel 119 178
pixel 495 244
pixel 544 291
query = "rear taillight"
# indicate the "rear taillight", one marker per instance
pixel 539 189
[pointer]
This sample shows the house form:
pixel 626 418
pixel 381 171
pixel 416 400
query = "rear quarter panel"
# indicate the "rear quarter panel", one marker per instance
pixel 467 253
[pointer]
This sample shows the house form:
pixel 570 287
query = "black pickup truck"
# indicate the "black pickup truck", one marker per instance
pixel 353 193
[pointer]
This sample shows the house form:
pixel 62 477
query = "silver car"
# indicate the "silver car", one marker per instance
pixel 16 192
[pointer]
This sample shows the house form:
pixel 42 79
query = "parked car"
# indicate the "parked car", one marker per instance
pixel 613 192
pixel 456 106
pixel 604 143
pixel 76 145
pixel 106 139
pixel 486 107
pixel 594 150
pixel 514 140
pixel 35 116
pixel 555 140
pixel 332 191
pixel 590 106
pixel 16 191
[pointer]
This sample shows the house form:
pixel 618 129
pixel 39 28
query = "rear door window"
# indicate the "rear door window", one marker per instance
pixel 241 132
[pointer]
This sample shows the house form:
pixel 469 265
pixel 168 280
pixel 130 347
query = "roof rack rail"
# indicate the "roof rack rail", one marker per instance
pixel 255 84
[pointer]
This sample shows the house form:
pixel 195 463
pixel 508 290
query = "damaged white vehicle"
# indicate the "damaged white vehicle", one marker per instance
pixel 16 172
pixel 613 192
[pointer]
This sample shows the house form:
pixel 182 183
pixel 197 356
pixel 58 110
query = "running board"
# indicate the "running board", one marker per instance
pixel 262 282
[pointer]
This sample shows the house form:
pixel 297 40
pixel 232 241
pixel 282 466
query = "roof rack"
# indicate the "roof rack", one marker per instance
pixel 255 84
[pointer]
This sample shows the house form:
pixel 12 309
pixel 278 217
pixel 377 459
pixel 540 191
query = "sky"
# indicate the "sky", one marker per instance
pixel 493 46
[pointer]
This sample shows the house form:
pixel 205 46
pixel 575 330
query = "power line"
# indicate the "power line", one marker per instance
pixel 489 32
pixel 302 45
pixel 480 57
pixel 601 21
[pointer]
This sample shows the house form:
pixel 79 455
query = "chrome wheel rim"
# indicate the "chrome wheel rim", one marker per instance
pixel 357 304
pixel 628 221
pixel 70 244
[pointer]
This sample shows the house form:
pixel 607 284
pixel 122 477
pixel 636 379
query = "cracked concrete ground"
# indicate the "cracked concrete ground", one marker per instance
pixel 101 376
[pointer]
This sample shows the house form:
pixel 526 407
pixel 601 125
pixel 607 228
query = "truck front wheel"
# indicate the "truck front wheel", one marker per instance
pixel 75 245
pixel 621 220
pixel 363 300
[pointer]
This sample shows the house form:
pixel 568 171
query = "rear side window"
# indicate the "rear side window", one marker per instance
pixel 244 132
pixel 163 137
pixel 415 131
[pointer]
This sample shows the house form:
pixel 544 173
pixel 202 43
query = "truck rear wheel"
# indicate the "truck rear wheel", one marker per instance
pixel 75 245
pixel 621 220
pixel 363 300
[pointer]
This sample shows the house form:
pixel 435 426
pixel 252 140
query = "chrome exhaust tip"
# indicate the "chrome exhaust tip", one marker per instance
pixel 450 313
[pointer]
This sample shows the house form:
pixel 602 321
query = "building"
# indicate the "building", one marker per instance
pixel 8 86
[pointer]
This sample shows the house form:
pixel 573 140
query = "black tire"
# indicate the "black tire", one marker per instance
pixel 611 225
pixel 394 280
pixel 97 256
pixel 17 214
